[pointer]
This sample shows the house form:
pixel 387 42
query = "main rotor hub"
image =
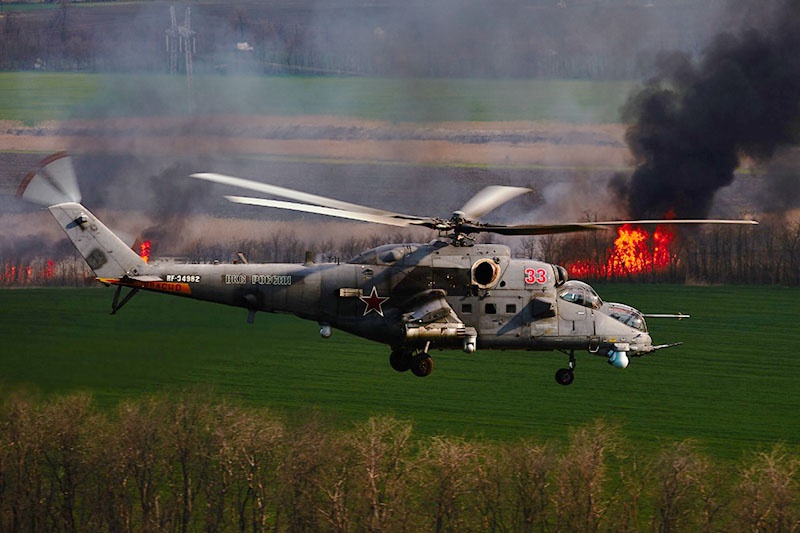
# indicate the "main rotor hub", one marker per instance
pixel 458 217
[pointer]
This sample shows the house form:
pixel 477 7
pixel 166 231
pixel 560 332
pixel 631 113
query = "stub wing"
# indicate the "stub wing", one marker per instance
pixel 427 307
pixel 428 318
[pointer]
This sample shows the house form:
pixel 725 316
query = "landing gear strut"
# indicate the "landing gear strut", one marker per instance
pixel 419 362
pixel 565 376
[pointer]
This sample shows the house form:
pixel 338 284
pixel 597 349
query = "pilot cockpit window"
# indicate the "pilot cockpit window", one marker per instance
pixel 580 293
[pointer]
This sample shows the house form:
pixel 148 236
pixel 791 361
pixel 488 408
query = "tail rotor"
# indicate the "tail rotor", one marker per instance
pixel 53 182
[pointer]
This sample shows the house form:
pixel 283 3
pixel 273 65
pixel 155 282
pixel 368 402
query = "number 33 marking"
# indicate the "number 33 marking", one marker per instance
pixel 538 275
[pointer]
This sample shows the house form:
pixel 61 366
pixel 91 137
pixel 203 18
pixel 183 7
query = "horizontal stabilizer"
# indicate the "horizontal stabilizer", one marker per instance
pixel 144 278
pixel 129 280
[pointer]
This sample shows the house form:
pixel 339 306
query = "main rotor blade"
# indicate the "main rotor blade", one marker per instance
pixel 530 229
pixel 291 194
pixel 550 229
pixel 489 199
pixel 321 210
pixel 688 221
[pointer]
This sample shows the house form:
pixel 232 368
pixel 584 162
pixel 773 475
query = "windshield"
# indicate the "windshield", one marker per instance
pixel 627 315
pixel 580 293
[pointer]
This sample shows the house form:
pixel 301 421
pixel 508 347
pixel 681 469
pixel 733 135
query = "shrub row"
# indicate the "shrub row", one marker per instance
pixel 190 463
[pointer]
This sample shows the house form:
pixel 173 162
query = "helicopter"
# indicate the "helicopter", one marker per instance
pixel 450 293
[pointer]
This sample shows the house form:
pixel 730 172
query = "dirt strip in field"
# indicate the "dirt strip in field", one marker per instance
pixel 515 144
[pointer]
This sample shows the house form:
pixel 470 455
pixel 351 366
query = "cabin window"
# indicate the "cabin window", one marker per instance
pixel 490 309
pixel 466 308
pixel 511 309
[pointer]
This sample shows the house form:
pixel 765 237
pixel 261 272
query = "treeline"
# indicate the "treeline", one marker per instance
pixel 191 463
pixel 766 254
pixel 44 272
pixel 476 38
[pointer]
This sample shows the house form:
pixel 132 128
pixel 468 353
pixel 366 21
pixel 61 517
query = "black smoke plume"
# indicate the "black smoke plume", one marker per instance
pixel 695 120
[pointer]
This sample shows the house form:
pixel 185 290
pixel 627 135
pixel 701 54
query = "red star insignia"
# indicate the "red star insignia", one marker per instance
pixel 374 302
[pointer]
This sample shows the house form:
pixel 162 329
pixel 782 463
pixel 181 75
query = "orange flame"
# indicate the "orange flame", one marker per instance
pixel 635 251
pixel 144 251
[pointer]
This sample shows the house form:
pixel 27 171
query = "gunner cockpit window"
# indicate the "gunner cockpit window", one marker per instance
pixel 627 315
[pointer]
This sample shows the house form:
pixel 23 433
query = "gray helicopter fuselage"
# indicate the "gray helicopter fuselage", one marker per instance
pixel 413 297
pixel 509 303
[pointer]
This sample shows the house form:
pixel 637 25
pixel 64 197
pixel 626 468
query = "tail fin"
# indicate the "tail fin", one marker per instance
pixel 54 182
pixel 105 253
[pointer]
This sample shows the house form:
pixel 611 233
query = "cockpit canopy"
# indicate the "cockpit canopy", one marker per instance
pixel 578 292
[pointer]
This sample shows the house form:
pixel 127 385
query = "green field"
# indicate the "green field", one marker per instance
pixel 732 387
pixel 32 97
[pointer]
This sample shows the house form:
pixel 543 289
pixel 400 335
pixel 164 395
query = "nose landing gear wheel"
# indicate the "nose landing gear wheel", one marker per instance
pixel 565 376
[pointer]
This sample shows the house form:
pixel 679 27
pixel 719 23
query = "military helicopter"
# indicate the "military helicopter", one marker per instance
pixel 413 297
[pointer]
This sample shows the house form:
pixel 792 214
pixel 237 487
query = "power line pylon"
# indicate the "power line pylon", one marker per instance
pixel 180 39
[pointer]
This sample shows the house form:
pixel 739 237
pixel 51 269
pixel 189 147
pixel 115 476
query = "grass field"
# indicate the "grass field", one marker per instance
pixel 732 386
pixel 32 97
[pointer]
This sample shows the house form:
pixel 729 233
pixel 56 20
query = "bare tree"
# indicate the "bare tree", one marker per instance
pixel 382 467
pixel 304 452
pixel 634 475
pixel 769 492
pixel 448 470
pixel 681 472
pixel 24 482
pixel 239 487
pixel 187 438
pixel 531 466
pixel 580 500
pixel 140 426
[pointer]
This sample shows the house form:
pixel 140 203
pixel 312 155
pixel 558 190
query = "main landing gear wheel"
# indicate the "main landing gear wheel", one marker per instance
pixel 422 365
pixel 565 376
pixel 400 360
